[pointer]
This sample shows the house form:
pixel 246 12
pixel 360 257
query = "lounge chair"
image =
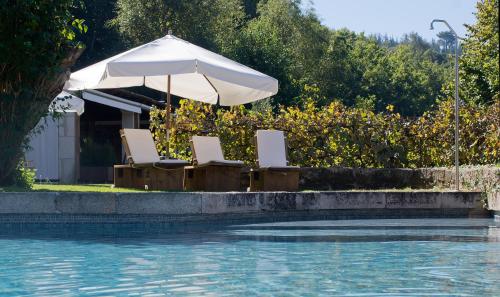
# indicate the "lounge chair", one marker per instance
pixel 145 167
pixel 210 171
pixel 273 172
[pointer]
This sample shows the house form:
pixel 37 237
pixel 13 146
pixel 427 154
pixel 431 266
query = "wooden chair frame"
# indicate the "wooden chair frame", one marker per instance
pixel 212 176
pixel 149 175
pixel 274 178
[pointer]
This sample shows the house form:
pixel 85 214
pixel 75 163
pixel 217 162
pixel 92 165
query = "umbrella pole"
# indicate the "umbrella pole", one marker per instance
pixel 167 120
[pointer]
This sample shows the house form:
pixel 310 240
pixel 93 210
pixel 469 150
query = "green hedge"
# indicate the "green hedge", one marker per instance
pixel 336 135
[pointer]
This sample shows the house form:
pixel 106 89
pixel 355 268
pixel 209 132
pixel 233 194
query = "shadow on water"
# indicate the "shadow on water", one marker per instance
pixel 166 234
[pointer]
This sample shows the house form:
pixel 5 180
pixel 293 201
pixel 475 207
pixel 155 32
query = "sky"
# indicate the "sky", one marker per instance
pixel 395 17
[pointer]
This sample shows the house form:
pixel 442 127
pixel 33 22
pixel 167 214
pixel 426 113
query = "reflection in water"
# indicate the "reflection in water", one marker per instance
pixel 321 258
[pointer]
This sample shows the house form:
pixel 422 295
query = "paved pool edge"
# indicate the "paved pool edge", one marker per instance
pixel 67 207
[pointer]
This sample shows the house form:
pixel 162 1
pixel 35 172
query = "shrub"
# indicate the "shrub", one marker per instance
pixel 336 135
pixel 24 177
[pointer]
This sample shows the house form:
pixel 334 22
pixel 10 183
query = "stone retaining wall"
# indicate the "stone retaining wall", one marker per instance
pixel 494 201
pixel 217 204
pixel 479 178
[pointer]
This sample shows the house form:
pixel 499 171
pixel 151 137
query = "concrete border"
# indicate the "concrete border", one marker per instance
pixel 494 200
pixel 484 178
pixel 195 206
pixel 233 218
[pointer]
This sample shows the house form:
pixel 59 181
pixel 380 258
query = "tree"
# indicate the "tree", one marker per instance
pixel 199 21
pixel 415 80
pixel 37 47
pixel 251 7
pixel 479 63
pixel 284 40
pixel 447 39
pixel 360 70
pixel 101 41
pixel 286 43
pixel 339 70
pixel 273 36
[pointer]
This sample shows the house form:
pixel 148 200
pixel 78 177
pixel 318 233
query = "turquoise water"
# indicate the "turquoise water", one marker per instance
pixel 439 257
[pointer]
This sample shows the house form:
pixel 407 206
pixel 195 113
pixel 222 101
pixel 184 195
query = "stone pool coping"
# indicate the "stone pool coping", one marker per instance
pixel 202 206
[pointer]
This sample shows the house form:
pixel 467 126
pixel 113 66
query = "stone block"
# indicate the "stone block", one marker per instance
pixel 24 203
pixel 494 200
pixel 307 201
pixel 461 200
pixel 351 200
pixel 278 201
pixel 238 203
pixel 412 200
pixel 174 203
pixel 86 203
pixel 214 203
pixel 477 178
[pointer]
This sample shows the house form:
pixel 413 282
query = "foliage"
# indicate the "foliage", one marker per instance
pixel 24 177
pixel 479 63
pixel 335 85
pixel 336 135
pixel 405 76
pixel 282 39
pixel 37 46
pixel 345 98
pixel 447 39
pixel 101 40
pixel 200 21
pixel 432 136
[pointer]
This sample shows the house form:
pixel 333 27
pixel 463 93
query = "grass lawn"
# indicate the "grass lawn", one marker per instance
pixel 72 188
pixel 107 188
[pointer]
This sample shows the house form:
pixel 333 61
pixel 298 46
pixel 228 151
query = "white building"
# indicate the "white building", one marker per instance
pixel 84 143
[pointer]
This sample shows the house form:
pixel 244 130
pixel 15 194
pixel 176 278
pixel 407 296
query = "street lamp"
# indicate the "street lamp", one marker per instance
pixel 457 101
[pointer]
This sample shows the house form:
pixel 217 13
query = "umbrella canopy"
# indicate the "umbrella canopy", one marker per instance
pixel 175 66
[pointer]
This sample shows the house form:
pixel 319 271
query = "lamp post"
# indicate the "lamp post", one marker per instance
pixel 457 100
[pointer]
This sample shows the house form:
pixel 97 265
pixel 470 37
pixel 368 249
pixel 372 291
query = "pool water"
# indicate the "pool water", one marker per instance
pixel 432 257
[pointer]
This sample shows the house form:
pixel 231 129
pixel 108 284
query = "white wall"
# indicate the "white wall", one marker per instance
pixel 44 152
pixel 69 148
pixel 55 151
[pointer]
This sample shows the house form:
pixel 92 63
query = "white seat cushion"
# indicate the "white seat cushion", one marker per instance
pixel 231 162
pixel 271 149
pixel 208 149
pixel 172 161
pixel 141 145
pixel 281 167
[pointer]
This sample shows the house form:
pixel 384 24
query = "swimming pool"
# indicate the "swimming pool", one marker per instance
pixel 445 257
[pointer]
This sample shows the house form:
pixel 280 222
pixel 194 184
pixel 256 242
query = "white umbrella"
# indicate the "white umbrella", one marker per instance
pixel 196 73
pixel 175 66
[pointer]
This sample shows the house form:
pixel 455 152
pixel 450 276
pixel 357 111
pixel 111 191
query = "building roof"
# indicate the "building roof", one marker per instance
pixel 133 96
pixel 114 101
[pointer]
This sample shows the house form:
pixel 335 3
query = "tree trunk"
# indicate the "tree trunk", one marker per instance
pixel 21 110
